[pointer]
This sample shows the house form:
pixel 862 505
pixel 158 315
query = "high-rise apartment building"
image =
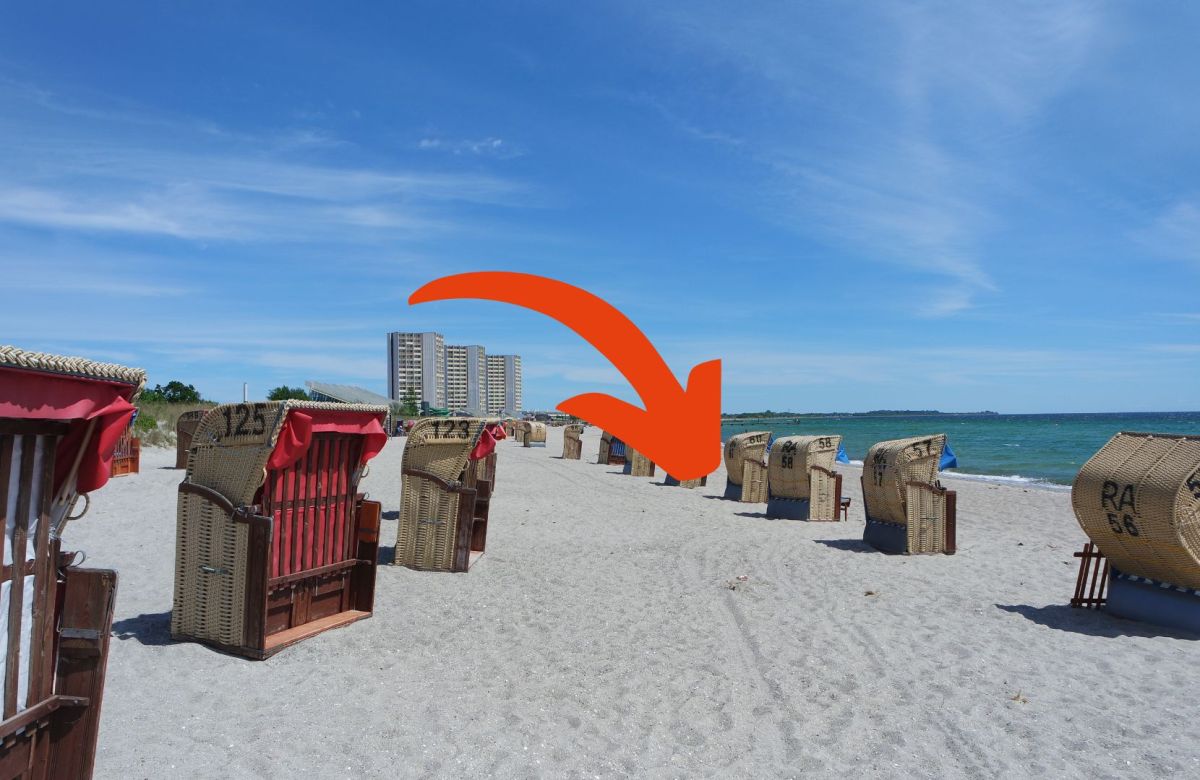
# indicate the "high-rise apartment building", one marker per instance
pixel 466 379
pixel 417 362
pixel 504 384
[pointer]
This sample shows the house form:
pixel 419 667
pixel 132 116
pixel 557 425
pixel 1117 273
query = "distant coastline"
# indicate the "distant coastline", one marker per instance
pixel 769 415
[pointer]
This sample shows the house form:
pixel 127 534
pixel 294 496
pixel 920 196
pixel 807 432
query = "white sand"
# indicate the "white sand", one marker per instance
pixel 598 636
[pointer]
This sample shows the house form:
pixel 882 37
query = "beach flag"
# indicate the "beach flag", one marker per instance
pixel 949 459
pixel 842 457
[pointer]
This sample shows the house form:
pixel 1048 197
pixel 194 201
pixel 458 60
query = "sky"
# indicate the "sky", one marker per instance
pixel 955 206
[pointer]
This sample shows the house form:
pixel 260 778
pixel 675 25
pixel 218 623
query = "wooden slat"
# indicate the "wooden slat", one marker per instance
pixel 17 591
pixel 38 711
pixel 323 493
pixel 10 572
pixel 329 568
pixel 281 640
pixel 41 672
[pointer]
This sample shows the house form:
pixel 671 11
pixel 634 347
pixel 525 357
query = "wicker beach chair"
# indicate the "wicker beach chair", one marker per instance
pixel 685 483
pixel 907 510
pixel 185 429
pixel 637 464
pixel 127 454
pixel 1138 500
pixel 59 420
pixel 572 442
pixel 444 498
pixel 531 434
pixel 802 484
pixel 612 450
pixel 274 544
pixel 746 468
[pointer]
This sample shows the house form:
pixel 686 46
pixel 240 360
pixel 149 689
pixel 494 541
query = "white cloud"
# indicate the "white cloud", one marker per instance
pixel 57 175
pixel 483 147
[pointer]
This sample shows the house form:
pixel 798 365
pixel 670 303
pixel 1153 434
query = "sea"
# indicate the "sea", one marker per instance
pixel 1045 449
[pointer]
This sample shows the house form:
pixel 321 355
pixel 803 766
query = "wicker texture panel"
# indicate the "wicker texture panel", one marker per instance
pixel 890 466
pixel 210 573
pixel 428 529
pixel 741 447
pixel 792 459
pixel 754 482
pixel 572 442
pixel 229 454
pixel 926 520
pixel 185 431
pixel 1138 499
pixel 639 464
pixel 606 442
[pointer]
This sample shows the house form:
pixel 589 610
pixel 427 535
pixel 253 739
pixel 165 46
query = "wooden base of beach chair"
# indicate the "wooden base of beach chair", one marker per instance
pixel 1151 601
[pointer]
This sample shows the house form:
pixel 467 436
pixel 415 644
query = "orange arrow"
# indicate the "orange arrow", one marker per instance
pixel 679 429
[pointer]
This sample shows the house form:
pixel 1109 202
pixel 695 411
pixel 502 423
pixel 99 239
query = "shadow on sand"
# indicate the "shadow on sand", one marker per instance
pixel 852 545
pixel 151 628
pixel 1093 622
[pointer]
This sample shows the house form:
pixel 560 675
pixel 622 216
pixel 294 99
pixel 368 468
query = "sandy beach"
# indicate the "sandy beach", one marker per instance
pixel 605 632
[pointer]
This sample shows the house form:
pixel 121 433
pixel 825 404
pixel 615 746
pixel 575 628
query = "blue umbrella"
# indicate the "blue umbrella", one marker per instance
pixel 842 457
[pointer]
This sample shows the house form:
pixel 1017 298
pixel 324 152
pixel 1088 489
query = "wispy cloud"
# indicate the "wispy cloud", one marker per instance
pixel 913 172
pixel 246 190
pixel 483 147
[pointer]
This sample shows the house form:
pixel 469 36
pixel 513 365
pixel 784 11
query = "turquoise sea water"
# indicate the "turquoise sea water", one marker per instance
pixel 1035 447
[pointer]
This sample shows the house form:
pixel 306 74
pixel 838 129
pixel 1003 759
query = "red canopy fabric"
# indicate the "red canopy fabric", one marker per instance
pixel 492 433
pixel 37 395
pixel 301 424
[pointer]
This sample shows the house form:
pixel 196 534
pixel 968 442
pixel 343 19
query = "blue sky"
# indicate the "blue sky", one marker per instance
pixel 918 205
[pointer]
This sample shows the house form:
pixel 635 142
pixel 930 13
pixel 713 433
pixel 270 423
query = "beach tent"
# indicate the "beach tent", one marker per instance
pixel 572 442
pixel 637 464
pixel 802 484
pixel 745 468
pixel 612 450
pixel 1138 500
pixel 444 499
pixel 60 418
pixel 907 510
pixel 274 543
pixel 185 429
